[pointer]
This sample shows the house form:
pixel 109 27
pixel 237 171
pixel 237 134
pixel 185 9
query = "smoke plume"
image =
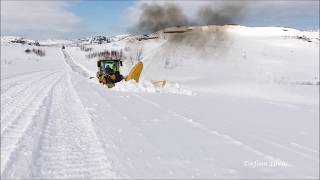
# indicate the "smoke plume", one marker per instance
pixel 156 17
pixel 226 15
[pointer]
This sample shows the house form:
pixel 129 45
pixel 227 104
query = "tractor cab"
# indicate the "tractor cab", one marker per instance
pixel 109 71
pixel 114 65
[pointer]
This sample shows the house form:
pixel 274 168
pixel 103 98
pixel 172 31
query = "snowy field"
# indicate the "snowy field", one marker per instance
pixel 245 106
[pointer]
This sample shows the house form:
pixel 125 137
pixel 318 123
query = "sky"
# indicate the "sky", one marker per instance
pixel 102 17
pixel 82 18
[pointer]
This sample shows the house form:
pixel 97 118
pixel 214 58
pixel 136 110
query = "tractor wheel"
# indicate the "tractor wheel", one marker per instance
pixel 103 80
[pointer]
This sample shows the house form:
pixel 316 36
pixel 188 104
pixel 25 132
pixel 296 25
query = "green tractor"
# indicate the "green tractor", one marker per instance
pixel 109 71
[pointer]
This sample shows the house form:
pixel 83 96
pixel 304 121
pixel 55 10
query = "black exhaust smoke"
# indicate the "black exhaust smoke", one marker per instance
pixel 155 17
pixel 226 15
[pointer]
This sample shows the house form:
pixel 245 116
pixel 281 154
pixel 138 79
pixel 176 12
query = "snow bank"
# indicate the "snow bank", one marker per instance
pixel 149 87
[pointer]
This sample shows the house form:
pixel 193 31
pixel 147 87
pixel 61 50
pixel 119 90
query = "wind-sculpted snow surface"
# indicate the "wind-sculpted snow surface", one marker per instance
pixel 247 112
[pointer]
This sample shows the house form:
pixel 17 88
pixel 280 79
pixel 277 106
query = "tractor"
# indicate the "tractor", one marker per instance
pixel 109 71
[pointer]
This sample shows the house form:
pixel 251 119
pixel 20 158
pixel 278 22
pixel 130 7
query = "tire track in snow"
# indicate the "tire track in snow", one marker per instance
pixel 18 77
pixel 28 149
pixel 107 135
pixel 18 85
pixel 22 116
pixel 13 102
pixel 18 80
pixel 70 147
pixel 74 67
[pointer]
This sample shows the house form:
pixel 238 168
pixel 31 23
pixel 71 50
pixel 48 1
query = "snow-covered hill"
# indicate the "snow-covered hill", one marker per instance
pixel 101 39
pixel 240 102
pixel 18 40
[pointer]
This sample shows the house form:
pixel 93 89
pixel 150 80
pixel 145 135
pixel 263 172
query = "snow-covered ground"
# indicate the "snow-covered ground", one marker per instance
pixel 245 106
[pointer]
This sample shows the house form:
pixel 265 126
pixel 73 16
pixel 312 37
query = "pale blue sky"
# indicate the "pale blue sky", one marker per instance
pixel 102 17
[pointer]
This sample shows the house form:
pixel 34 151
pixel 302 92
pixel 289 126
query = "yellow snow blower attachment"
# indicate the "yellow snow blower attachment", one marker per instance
pixel 135 72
